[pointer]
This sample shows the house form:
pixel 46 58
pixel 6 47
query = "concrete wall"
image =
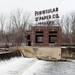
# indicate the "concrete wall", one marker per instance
pixel 46 53
pixel 51 53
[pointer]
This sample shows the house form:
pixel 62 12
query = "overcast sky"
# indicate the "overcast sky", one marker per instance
pixel 65 6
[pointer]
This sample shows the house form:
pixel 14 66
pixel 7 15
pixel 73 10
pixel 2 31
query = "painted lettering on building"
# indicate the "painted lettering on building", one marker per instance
pixel 46 17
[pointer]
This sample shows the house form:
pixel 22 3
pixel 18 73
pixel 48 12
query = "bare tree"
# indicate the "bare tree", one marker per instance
pixel 19 22
pixel 66 29
pixel 73 27
pixel 2 23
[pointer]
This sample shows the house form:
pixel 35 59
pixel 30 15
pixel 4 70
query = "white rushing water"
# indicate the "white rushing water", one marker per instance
pixel 32 66
pixel 20 66
pixel 15 66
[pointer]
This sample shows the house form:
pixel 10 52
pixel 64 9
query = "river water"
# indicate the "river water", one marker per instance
pixel 32 66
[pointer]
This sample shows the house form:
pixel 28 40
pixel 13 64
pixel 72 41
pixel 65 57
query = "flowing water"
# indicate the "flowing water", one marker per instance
pixel 32 66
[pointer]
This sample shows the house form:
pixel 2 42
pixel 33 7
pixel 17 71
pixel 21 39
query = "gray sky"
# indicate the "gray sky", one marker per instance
pixel 65 6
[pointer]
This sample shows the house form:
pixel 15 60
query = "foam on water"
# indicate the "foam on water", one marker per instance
pixel 33 66
pixel 15 66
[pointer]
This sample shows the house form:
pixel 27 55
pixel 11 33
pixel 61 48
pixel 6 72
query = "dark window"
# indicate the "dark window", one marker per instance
pixel 39 37
pixel 53 32
pixel 29 43
pixel 52 38
pixel 39 32
pixel 28 37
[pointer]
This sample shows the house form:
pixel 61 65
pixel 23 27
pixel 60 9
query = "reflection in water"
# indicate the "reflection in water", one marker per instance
pixel 32 66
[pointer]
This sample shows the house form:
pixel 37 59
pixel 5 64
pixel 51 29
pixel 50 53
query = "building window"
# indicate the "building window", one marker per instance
pixel 39 37
pixel 52 38
pixel 53 32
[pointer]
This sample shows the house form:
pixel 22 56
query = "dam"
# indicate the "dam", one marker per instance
pixel 48 53
pixel 43 53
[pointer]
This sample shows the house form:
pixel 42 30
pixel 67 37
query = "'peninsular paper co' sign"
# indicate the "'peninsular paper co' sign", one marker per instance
pixel 46 16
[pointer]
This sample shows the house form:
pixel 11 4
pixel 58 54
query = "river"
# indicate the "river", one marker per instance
pixel 32 66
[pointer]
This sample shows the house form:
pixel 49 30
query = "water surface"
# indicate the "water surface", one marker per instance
pixel 32 66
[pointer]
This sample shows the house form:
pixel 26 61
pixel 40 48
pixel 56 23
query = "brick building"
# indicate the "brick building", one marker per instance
pixel 44 36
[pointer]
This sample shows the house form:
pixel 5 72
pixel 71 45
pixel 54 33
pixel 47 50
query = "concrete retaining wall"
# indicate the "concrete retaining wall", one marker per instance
pixel 46 53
